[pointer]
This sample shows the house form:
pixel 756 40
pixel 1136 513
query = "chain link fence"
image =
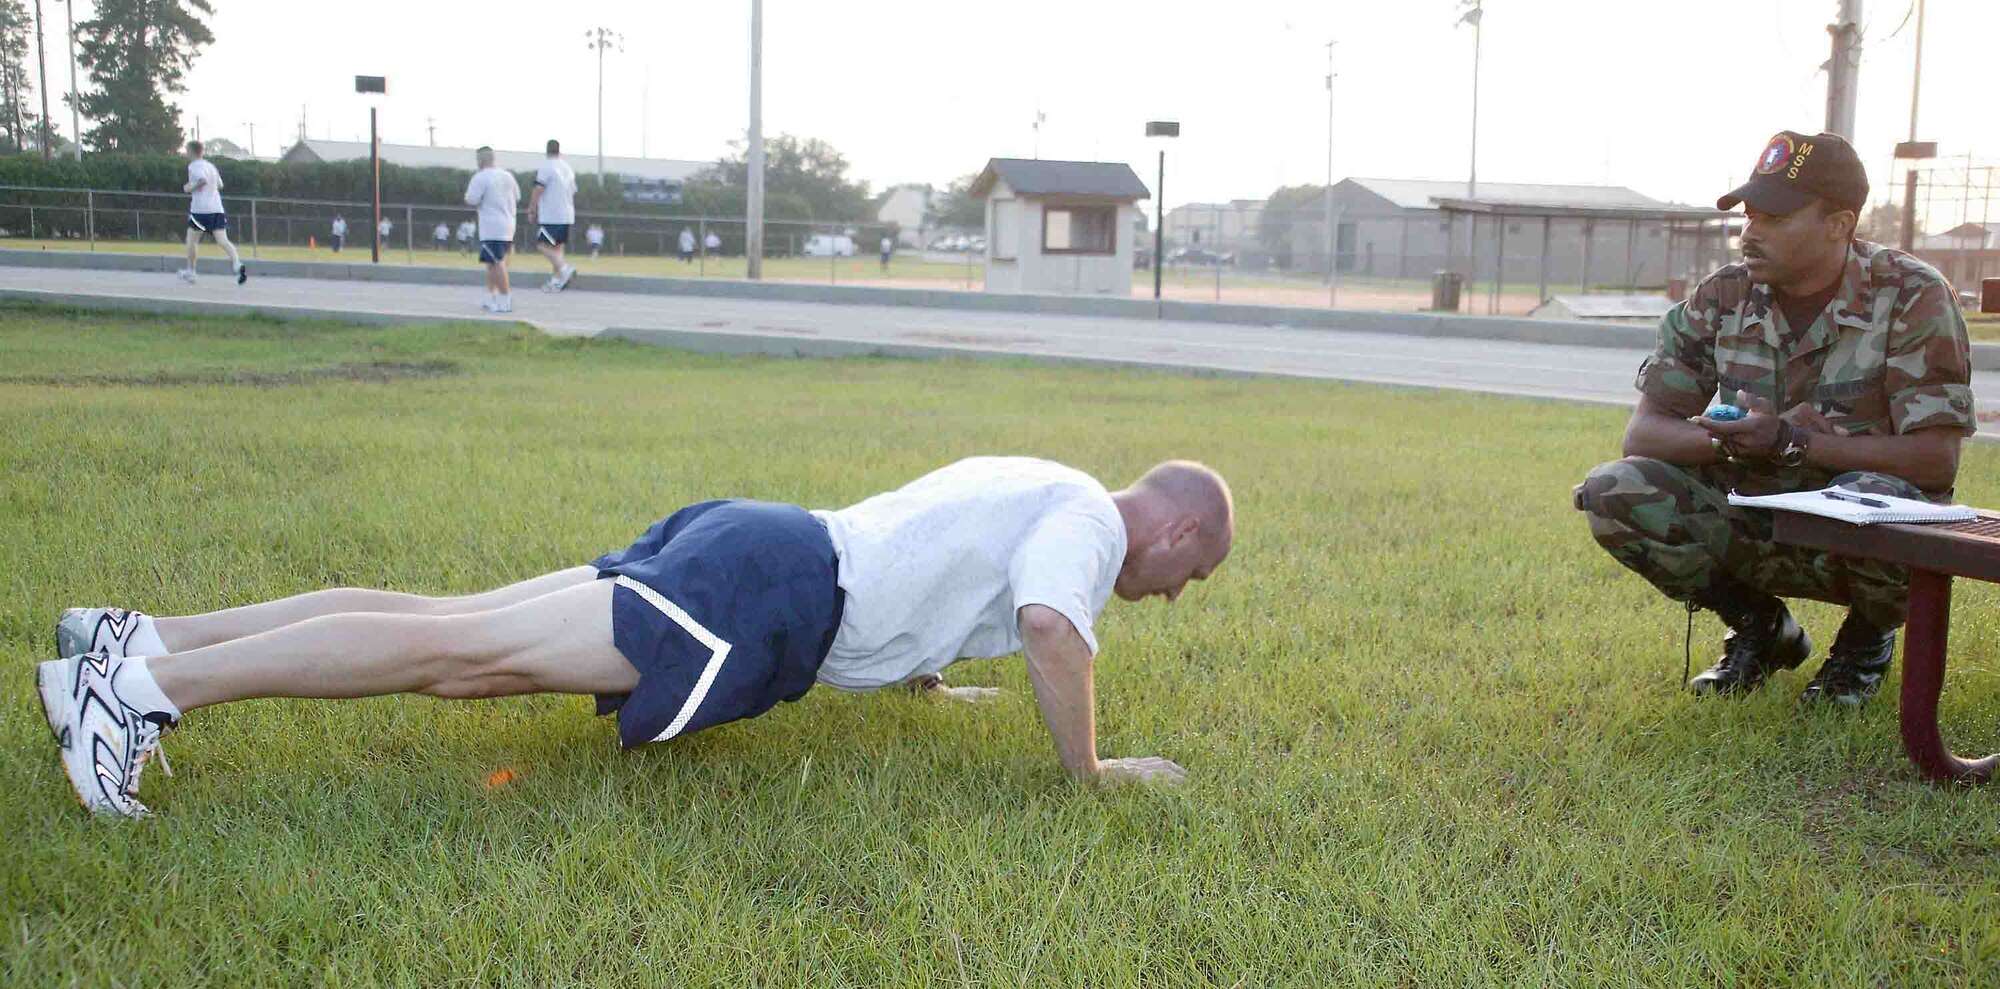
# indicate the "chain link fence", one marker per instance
pixel 431 233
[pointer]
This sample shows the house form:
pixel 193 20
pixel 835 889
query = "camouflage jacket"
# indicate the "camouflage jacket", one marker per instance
pixel 1889 355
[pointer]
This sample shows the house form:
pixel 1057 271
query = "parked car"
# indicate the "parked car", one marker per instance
pixel 1197 255
pixel 829 245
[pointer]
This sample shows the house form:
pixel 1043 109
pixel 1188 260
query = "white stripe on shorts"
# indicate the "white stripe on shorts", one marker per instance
pixel 718 650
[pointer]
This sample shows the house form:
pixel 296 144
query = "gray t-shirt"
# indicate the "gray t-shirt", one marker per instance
pixel 936 570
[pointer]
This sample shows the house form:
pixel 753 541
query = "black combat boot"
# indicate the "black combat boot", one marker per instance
pixel 1853 669
pixel 1762 640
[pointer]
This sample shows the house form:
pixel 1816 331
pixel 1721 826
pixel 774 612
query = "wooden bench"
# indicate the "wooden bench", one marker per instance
pixel 1935 553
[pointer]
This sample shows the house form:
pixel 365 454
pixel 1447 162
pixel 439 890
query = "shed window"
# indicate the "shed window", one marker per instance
pixel 1080 230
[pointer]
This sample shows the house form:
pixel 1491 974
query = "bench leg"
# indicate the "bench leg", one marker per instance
pixel 1923 679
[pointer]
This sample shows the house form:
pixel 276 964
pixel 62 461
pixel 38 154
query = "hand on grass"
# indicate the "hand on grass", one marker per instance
pixel 968 695
pixel 1150 769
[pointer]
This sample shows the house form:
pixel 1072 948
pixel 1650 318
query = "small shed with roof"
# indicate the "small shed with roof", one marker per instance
pixel 1059 226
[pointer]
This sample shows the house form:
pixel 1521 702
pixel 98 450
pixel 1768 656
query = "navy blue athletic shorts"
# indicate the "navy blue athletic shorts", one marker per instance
pixel 554 233
pixel 208 222
pixel 493 251
pixel 726 608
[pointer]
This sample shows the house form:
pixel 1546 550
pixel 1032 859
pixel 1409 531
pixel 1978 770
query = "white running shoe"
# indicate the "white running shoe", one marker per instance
pixel 506 305
pixel 82 630
pixel 187 275
pixel 488 304
pixel 103 742
pixel 551 286
pixel 568 274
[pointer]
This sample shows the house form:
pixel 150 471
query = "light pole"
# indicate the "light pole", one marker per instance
pixel 253 136
pixel 1842 68
pixel 1475 11
pixel 75 121
pixel 602 39
pixel 1160 128
pixel 1332 229
pixel 753 201
pixel 379 85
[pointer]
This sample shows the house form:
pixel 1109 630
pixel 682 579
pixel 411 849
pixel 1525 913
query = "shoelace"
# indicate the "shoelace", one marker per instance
pixel 149 746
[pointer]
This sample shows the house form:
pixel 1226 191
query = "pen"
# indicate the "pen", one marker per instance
pixel 1857 499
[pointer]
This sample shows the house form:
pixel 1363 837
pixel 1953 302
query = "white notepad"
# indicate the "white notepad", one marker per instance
pixel 1855 507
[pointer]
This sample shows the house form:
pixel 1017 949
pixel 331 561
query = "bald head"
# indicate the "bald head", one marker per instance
pixel 1179 523
pixel 1192 488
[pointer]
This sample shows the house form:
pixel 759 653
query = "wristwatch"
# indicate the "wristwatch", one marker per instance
pixel 1790 450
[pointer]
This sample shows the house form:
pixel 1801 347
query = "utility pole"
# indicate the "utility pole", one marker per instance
pixel 42 60
pixel 431 125
pixel 1332 228
pixel 253 137
pixel 75 121
pixel 753 221
pixel 1039 117
pixel 602 39
pixel 1843 69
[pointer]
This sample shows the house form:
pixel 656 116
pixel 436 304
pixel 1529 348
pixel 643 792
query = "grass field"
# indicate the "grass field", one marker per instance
pixel 1983 326
pixel 1433 733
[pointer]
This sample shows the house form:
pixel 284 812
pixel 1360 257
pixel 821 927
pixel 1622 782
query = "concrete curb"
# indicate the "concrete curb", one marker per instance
pixel 1568 333
pixel 201 307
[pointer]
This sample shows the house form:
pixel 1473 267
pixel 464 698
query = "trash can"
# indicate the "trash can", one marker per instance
pixel 1989 295
pixel 1446 288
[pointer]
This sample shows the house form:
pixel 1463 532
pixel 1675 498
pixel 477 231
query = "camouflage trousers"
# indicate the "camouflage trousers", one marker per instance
pixel 1675 527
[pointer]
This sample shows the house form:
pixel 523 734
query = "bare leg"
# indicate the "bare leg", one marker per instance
pixel 197 631
pixel 500 278
pixel 553 252
pixel 193 238
pixel 556 643
pixel 222 237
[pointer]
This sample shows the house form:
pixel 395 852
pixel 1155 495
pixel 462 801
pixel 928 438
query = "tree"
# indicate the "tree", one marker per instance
pixel 957 208
pixel 804 179
pixel 20 121
pixel 223 147
pixel 1281 212
pixel 138 52
pixel 1882 223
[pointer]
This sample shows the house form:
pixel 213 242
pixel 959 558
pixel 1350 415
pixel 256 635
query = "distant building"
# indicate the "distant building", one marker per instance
pixel 644 180
pixel 1059 226
pixel 1411 228
pixel 1224 228
pixel 1965 254
pixel 909 208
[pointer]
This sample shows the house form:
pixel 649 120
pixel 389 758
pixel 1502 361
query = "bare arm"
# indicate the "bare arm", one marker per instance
pixel 534 201
pixel 1927 458
pixel 1060 670
pixel 1654 432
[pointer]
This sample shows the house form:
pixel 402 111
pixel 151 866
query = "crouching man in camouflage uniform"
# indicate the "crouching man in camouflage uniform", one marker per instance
pixel 1853 363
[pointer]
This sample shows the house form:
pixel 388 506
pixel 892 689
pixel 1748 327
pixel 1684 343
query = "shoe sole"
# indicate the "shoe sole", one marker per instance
pixel 62 755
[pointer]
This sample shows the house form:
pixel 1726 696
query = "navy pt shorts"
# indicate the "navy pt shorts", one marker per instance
pixel 725 608
pixel 557 234
pixel 208 222
pixel 493 251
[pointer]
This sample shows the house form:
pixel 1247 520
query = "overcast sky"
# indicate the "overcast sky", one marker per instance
pixel 1674 98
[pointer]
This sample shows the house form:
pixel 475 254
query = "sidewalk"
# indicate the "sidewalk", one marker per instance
pixel 1601 374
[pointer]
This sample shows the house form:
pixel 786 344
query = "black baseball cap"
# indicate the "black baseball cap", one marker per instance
pixel 1796 169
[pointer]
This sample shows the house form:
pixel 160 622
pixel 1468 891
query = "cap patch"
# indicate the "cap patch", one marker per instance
pixel 1776 155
